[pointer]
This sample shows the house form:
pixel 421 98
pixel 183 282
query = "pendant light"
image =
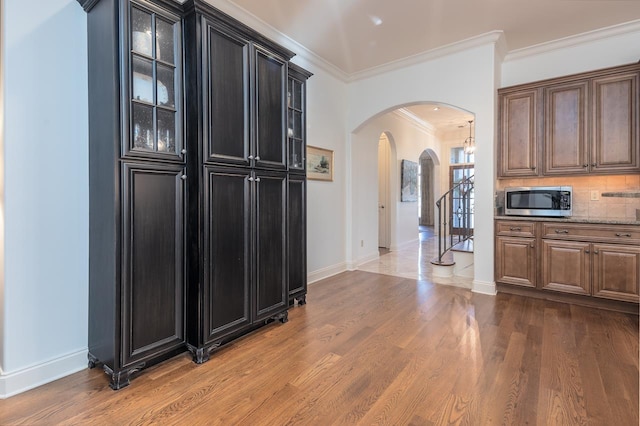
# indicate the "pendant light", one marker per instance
pixel 470 142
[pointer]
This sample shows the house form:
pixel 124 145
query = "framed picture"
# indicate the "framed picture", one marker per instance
pixel 409 179
pixel 319 163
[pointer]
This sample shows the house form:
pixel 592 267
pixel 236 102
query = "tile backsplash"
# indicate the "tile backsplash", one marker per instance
pixel 621 208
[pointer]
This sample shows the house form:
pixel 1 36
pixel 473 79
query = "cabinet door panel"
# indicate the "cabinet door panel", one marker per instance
pixel 616 272
pixel 297 235
pixel 516 261
pixel 227 93
pixel 566 266
pixel 565 147
pixel 271 244
pixel 271 81
pixel 227 252
pixel 615 124
pixel 153 284
pixel 520 121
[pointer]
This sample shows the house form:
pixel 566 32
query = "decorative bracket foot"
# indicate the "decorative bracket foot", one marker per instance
pixel 123 377
pixel 202 355
pixel 302 300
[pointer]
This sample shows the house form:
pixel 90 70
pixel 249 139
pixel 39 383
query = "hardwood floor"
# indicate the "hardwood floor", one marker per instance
pixel 377 349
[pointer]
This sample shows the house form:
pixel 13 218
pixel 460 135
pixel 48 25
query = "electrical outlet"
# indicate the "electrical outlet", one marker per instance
pixel 595 195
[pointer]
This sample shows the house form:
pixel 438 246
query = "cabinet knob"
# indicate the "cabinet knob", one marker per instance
pixel 533 244
pixel 596 252
pixel 585 165
pixel 250 157
pixel 587 251
pixel 593 164
pixel 184 151
pixel 258 179
pixel 618 234
pixel 561 231
pixel 183 177
pixel 257 158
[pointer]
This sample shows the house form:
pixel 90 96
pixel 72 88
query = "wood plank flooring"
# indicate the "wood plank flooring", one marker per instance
pixel 377 349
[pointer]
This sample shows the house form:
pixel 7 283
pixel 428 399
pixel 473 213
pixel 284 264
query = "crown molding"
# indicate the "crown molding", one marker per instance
pixel 492 37
pixel 574 40
pixel 261 26
pixel 415 121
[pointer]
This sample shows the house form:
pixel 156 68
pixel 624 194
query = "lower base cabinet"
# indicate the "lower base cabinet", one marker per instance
pixel 244 267
pixel 594 261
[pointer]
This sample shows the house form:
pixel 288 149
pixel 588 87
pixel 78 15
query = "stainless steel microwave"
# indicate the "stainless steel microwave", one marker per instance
pixel 551 201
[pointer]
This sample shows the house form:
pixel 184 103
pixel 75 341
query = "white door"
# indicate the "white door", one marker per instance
pixel 384 153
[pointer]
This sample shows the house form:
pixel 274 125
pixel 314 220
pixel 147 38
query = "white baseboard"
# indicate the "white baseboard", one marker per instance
pixel 327 272
pixel 484 287
pixel 22 380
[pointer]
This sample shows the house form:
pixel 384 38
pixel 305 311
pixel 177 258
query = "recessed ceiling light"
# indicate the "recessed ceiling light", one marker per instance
pixel 377 21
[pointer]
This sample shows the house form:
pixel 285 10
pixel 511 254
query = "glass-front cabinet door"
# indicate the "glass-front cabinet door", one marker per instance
pixel 155 81
pixel 296 124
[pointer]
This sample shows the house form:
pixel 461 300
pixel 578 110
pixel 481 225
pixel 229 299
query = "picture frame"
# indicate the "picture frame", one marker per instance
pixel 319 163
pixel 409 182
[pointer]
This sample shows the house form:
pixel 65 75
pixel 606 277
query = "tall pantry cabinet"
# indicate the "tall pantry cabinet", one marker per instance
pixel 236 128
pixel 136 186
pixel 190 201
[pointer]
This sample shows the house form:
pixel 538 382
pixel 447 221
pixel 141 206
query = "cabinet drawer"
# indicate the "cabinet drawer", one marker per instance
pixel 516 228
pixel 599 233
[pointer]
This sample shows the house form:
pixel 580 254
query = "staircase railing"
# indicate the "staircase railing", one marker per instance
pixel 455 226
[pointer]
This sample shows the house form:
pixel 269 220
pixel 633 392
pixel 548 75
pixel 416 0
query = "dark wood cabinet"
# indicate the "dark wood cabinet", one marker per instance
pixel 297 241
pixel 297 191
pixel 581 124
pixel 136 186
pixel 236 132
pixel 190 195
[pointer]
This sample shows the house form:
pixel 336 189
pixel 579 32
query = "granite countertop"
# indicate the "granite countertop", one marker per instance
pixel 572 219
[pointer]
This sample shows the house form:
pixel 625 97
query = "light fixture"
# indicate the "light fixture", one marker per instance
pixel 469 143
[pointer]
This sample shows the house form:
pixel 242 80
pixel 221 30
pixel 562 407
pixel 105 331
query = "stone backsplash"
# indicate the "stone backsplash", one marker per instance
pixel 622 207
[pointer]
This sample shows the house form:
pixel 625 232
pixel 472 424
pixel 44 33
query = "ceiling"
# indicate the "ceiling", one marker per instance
pixel 358 35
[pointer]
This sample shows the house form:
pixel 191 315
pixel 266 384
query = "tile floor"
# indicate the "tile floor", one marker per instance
pixel 414 261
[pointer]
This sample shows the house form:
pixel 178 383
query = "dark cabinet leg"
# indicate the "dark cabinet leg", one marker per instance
pixel 202 355
pixel 122 378
pixel 93 361
pixel 302 300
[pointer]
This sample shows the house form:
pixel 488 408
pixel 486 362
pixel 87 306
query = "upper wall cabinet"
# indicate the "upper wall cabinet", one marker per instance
pixel 576 125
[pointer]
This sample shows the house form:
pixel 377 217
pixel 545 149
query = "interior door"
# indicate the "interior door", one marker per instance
pixel 384 152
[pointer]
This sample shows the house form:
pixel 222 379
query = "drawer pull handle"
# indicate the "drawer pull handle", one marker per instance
pixel 515 228
pixel 561 231
pixel 618 234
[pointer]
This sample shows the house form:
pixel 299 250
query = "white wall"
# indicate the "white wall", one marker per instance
pixel 46 210
pixel 326 201
pixel 448 80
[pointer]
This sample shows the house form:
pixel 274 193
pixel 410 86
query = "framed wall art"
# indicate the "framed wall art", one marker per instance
pixel 409 181
pixel 319 163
